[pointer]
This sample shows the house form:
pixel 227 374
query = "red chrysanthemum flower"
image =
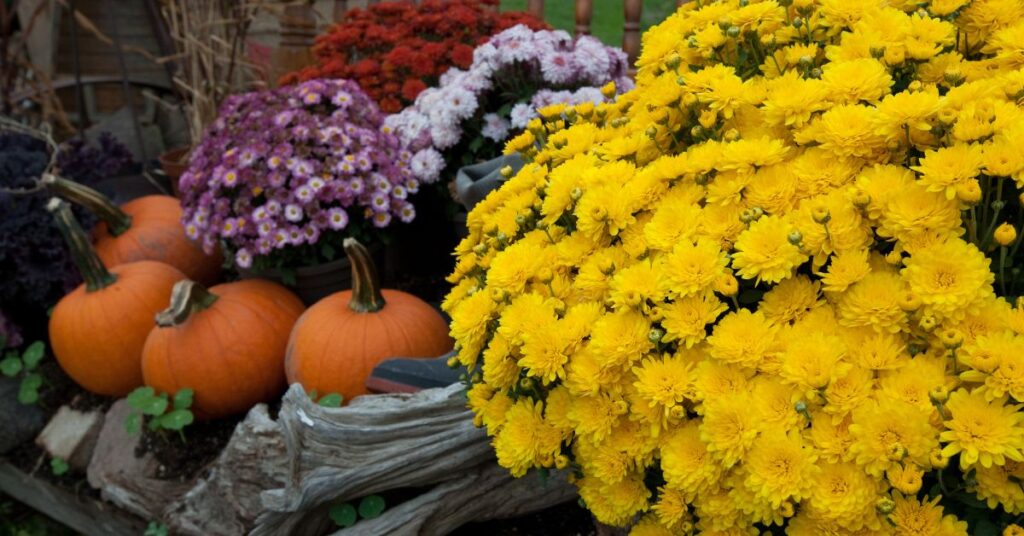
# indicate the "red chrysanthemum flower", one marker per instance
pixel 395 50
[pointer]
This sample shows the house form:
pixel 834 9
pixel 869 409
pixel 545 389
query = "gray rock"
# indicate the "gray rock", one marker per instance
pixel 19 422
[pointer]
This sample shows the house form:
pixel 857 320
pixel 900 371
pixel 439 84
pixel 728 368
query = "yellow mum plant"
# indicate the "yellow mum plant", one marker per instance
pixel 767 290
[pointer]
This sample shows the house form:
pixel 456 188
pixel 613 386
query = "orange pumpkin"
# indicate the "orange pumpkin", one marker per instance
pixel 339 340
pixel 98 330
pixel 227 344
pixel 147 228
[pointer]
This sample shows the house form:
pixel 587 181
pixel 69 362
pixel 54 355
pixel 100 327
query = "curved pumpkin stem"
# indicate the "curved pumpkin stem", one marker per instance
pixel 366 296
pixel 116 219
pixel 93 271
pixel 187 298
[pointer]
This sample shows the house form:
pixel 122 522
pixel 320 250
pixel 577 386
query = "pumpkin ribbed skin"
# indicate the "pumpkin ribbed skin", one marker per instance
pixel 97 336
pixel 333 349
pixel 156 234
pixel 231 353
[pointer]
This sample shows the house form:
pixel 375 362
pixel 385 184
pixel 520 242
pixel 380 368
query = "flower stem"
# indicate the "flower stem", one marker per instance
pixel 95 274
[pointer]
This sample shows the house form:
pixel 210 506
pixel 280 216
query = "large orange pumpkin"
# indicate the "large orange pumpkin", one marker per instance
pixel 227 344
pixel 98 330
pixel 339 340
pixel 147 228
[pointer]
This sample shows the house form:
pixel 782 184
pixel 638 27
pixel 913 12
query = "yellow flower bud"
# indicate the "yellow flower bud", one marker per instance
pixel 1005 234
pixel 561 461
pixel 927 322
pixel 689 99
pixel 1013 530
pixel 937 460
pixel 608 90
pixel 545 276
pixel 821 215
pixel 952 338
pixel 939 395
pixel 708 118
pixel 910 302
pixel 885 505
pixel 731 135
pixel 727 285
pixel 896 452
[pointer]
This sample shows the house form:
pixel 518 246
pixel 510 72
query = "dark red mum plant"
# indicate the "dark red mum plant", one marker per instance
pixel 395 50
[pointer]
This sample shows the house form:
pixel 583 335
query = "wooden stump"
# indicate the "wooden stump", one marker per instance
pixel 281 477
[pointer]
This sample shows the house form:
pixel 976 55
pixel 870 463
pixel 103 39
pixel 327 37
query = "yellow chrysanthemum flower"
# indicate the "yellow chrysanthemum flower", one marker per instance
pixel 765 251
pixel 982 432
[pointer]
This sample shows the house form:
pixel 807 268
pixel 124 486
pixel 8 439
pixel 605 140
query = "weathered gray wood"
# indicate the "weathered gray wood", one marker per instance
pixel 386 442
pixel 253 461
pixel 486 492
pixel 87 516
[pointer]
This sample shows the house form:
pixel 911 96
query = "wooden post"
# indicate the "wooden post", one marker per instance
pixel 536 8
pixel 584 12
pixel 298 30
pixel 631 29
pixel 340 8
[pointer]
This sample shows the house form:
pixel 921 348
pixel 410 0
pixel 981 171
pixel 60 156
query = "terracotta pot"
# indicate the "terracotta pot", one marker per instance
pixel 311 282
pixel 174 162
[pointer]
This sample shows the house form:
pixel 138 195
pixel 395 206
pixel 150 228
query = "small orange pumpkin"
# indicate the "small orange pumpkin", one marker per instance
pixel 339 340
pixel 227 344
pixel 98 330
pixel 147 228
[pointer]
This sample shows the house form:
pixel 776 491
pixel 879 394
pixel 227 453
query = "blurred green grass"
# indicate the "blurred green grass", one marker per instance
pixel 607 20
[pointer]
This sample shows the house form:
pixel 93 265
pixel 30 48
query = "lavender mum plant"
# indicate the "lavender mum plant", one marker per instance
pixel 283 176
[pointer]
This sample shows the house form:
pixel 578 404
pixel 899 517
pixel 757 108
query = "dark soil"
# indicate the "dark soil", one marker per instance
pixel 568 519
pixel 182 458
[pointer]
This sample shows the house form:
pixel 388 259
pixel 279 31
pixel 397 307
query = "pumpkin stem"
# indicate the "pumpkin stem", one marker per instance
pixel 96 275
pixel 366 296
pixel 187 298
pixel 117 221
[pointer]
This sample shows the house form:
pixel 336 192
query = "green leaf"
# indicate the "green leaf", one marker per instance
pixel 176 420
pixel 343 515
pixel 155 528
pixel 3 341
pixel 183 398
pixel 133 424
pixel 10 366
pixel 476 144
pixel 288 277
pixel 331 400
pixel 313 395
pixel 33 355
pixel 145 400
pixel 28 393
pixel 371 506
pixel 140 397
pixel 59 466
pixel 328 251
pixel 49 312
pixel 985 527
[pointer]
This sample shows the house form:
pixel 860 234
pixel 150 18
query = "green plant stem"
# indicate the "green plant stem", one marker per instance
pixel 1002 270
pixel 95 274
pixel 366 295
pixel 116 219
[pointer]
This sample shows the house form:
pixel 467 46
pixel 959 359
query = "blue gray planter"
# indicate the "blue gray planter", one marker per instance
pixel 473 183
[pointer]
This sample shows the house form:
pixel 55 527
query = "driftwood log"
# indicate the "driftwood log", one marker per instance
pixel 280 477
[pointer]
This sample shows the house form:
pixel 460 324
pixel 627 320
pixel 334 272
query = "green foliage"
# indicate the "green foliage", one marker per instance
pixel 25 364
pixel 329 400
pixel 162 413
pixel 155 528
pixel 345 515
pixel 58 466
